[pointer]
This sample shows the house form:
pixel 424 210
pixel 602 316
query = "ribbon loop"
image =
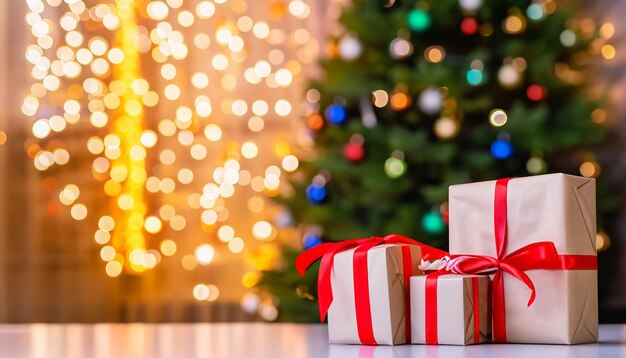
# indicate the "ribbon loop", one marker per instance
pixel 327 252
pixel 532 254
pixel 472 264
pixel 428 252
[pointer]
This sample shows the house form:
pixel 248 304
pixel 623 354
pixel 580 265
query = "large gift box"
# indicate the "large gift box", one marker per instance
pixel 363 286
pixel 536 236
pixel 449 309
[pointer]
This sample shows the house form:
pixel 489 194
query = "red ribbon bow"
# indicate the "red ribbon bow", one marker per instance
pixel 535 256
pixel 515 263
pixel 327 252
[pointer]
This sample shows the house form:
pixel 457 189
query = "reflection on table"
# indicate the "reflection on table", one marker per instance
pixel 255 340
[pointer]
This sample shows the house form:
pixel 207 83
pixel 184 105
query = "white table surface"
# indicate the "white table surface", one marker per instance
pixel 252 340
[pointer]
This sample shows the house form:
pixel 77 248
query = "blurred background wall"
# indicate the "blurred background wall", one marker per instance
pixel 50 266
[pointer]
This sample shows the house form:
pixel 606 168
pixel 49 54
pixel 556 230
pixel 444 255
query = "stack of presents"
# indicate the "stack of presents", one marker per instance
pixel 521 269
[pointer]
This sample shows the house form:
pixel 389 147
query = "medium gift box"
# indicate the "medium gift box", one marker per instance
pixel 449 309
pixel 363 286
pixel 536 237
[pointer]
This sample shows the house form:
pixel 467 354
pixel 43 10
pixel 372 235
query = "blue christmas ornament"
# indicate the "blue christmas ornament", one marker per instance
pixel 501 149
pixel 315 193
pixel 311 240
pixel 474 77
pixel 433 223
pixel 336 114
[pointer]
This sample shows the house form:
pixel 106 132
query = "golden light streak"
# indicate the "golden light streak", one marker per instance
pixel 128 238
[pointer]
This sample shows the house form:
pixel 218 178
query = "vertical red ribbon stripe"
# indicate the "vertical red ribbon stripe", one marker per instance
pixel 500 230
pixel 430 307
pixel 362 301
pixel 362 294
pixel 431 311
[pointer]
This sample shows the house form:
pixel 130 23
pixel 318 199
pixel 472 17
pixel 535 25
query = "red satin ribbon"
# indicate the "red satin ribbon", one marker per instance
pixel 327 252
pixel 430 307
pixel 362 292
pixel 535 256
pixel 428 252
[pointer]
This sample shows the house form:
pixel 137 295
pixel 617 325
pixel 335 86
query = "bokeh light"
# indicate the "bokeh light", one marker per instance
pixel 144 134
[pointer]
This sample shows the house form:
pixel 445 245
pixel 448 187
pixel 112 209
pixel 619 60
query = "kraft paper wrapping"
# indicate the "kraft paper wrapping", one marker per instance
pixel 554 207
pixel 455 309
pixel 387 293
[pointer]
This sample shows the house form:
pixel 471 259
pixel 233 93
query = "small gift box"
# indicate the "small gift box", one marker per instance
pixel 449 309
pixel 363 286
pixel 536 237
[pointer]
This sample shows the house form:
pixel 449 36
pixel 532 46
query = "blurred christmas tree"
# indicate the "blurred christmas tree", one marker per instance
pixel 417 96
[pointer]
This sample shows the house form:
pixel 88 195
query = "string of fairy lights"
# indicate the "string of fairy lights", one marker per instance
pixel 189 110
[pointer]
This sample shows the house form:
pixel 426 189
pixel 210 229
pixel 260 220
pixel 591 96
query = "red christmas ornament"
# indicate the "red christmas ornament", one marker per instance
pixel 535 93
pixel 469 26
pixel 353 152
